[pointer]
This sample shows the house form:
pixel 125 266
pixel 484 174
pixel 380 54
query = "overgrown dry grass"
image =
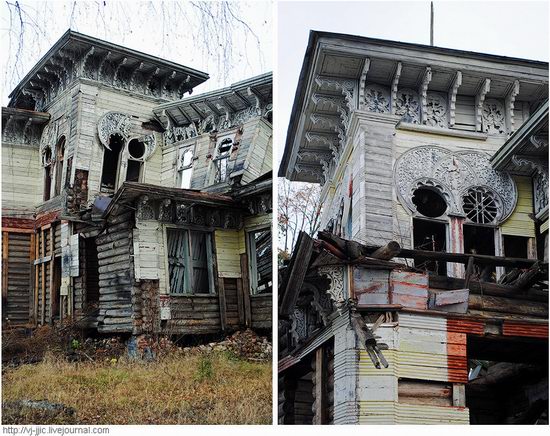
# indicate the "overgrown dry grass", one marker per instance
pixel 195 389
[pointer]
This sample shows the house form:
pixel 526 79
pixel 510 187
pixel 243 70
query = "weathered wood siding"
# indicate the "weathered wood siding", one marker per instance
pixel 256 143
pixel 228 245
pixel 116 274
pixel 520 223
pixel 17 286
pixel 22 179
pixel 194 315
pixel 261 308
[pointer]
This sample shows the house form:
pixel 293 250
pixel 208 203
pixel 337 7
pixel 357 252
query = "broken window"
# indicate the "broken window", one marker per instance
pixel 429 202
pixel 222 159
pixel 136 151
pixel 259 243
pixel 47 163
pixel 190 262
pixel 185 168
pixel 111 160
pixel 430 236
pixel 60 156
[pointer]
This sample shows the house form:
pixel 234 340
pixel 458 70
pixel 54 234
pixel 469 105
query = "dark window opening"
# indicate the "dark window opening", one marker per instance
pixel 515 246
pixel 56 292
pixel 136 149
pixel 111 163
pixel 134 170
pixel 481 240
pixel 60 156
pixel 430 236
pixel 222 160
pixel 429 202
pixel 508 380
pixel 47 173
pixel 260 262
pixel 92 275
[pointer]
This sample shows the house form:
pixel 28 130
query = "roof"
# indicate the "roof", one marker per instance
pixel 340 57
pixel 73 47
pixel 520 142
pixel 249 93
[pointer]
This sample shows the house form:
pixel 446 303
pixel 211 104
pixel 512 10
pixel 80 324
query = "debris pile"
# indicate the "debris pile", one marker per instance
pixel 243 344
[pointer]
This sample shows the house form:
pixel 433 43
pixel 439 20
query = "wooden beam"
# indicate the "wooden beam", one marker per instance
pixel 487 288
pixel 43 278
pixel 5 261
pixel 320 412
pixel 240 302
pixel 52 262
pixel 296 272
pixel 246 290
pixel 388 251
pixel 32 254
pixel 223 307
pixel 36 281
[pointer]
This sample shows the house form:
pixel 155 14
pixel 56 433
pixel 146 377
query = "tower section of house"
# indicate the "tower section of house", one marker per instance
pixel 404 140
pixel 83 122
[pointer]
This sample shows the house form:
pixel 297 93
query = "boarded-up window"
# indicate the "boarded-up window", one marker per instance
pixel 190 262
pixel 260 261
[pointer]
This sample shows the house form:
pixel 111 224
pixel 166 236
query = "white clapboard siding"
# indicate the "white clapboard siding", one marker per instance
pixel 146 250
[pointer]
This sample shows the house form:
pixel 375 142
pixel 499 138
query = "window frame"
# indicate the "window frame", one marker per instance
pixel 251 255
pixel 180 168
pixel 216 160
pixel 210 260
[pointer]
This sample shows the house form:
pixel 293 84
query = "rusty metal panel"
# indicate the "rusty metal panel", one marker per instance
pixel 371 286
pixel 524 329
pixel 409 289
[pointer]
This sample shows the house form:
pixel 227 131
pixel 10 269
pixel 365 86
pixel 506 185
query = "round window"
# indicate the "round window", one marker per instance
pixel 429 202
pixel 480 206
pixel 136 149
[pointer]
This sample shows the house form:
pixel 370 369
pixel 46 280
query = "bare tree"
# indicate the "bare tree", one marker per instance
pixel 224 38
pixel 299 210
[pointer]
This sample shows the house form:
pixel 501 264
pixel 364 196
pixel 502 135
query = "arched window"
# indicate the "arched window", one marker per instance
pixel 222 159
pixel 480 205
pixel 47 164
pixel 185 168
pixel 136 151
pixel 60 156
pixel 111 160
pixel 429 202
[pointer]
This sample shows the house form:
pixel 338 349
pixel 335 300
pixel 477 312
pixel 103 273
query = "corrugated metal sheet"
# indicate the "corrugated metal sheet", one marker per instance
pixel 422 322
pixel 389 412
pixel 525 329
pixel 465 326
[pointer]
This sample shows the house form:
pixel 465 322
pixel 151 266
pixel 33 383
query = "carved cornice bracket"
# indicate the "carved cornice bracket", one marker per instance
pixel 394 86
pixel 423 93
pixel 509 106
pixel 480 98
pixel 363 81
pixel 457 81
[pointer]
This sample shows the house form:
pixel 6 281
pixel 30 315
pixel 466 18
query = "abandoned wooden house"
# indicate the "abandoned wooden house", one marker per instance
pixel 131 208
pixel 425 298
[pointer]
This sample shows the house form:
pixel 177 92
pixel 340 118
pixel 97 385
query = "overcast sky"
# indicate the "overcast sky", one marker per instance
pixel 518 29
pixel 167 29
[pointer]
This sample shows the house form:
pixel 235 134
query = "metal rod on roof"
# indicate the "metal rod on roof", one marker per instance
pixel 431 23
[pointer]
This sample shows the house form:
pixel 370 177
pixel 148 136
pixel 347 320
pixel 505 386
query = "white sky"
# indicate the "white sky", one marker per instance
pixel 167 29
pixel 518 29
